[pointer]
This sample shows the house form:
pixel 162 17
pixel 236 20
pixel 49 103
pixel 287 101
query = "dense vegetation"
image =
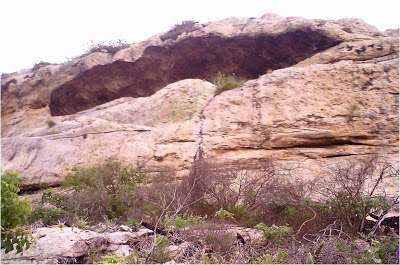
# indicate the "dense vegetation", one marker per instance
pixel 262 196
pixel 14 212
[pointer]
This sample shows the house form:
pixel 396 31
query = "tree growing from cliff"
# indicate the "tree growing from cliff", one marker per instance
pixel 14 212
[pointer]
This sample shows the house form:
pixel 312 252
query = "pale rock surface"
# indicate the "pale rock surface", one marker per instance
pixel 319 91
pixel 55 245
pixel 120 237
pixel 119 250
pixel 177 250
pixel 156 134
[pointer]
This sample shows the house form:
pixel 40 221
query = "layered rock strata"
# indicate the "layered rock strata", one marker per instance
pixel 317 91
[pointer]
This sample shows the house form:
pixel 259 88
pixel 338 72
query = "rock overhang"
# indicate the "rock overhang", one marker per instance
pixel 202 57
pixel 228 46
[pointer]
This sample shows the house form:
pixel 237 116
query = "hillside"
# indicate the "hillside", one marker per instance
pixel 316 90
pixel 236 128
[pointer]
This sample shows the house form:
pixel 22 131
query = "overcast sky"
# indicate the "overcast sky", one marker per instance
pixel 51 30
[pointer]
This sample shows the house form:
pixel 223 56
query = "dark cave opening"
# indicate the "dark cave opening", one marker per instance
pixel 196 57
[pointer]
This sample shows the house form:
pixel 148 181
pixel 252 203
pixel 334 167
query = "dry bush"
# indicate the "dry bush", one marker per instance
pixel 219 241
pixel 152 249
pixel 178 29
pixel 111 47
pixel 241 188
pixel 210 243
pixel 222 185
pixel 351 189
pixel 41 64
pixel 153 197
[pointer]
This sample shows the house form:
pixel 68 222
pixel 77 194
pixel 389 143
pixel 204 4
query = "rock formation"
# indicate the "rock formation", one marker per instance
pixel 317 90
pixel 73 245
pixel 77 246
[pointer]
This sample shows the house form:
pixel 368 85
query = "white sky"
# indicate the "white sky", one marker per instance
pixel 51 30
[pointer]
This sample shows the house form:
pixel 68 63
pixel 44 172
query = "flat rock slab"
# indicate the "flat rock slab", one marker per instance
pixel 66 244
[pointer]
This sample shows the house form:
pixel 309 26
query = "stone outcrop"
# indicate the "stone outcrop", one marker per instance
pixel 66 245
pixel 157 134
pixel 317 90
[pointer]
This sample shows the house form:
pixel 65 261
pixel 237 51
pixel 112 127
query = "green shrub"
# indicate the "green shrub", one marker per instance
pixel 160 254
pixel 111 259
pixel 47 215
pixel 183 221
pixel 352 109
pixel 50 216
pixel 111 177
pixel 381 252
pixel 280 257
pixel 387 249
pixel 264 259
pixel 134 222
pixel 14 213
pixel 93 194
pixel 281 205
pixel 244 216
pixel 273 233
pixel 58 200
pixel 112 182
pixel 290 212
pixel 322 207
pixel 353 209
pixel 81 223
pixel 224 214
pixel 295 212
pixel 226 82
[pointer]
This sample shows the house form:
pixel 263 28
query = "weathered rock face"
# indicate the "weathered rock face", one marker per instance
pixel 156 134
pixel 68 245
pixel 319 91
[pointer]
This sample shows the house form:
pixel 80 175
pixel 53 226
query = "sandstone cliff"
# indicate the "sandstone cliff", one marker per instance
pixel 317 91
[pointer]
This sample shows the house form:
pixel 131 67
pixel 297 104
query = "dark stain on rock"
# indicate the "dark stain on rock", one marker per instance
pixel 362 49
pixel 7 84
pixel 196 57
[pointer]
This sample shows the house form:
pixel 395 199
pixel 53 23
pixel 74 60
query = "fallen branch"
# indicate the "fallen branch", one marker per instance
pixel 315 214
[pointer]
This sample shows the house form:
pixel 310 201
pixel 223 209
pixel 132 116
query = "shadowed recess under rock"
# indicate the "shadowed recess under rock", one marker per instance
pixel 196 57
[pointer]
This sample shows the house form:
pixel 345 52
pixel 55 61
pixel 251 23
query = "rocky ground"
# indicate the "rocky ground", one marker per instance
pixel 216 243
pixel 61 244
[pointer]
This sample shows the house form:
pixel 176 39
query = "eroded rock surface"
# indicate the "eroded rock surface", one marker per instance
pixel 68 245
pixel 318 91
pixel 157 132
